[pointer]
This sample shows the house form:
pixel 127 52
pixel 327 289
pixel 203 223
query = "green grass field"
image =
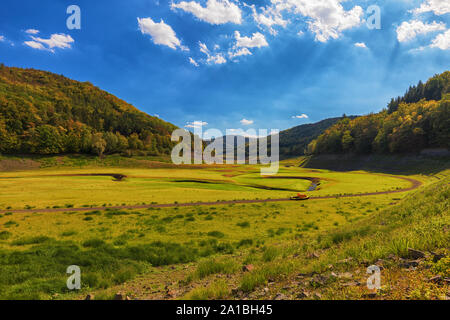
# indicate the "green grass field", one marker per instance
pixel 116 247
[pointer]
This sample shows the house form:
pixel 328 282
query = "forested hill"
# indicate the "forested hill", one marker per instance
pixel 416 121
pixel 294 141
pixel 46 113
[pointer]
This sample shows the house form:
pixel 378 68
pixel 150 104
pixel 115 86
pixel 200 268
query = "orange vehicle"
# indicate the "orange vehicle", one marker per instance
pixel 300 196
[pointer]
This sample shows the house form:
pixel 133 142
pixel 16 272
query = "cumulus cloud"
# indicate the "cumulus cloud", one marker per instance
pixel 56 41
pixel 196 124
pixel 161 33
pixel 325 18
pixel 246 122
pixel 442 41
pixel 438 7
pixel 409 30
pixel 256 41
pixel 215 12
pixel 360 45
pixel 193 62
pixel 2 38
pixel 302 116
pixel 32 31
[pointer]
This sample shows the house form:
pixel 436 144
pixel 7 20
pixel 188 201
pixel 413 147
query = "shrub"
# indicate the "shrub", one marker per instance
pixel 30 240
pixel 4 235
pixel 216 234
pixel 245 224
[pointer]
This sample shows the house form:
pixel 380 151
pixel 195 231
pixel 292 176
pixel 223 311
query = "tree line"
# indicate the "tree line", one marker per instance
pixel 418 120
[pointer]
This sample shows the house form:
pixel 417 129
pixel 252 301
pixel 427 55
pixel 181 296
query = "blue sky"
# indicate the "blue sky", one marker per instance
pixel 235 64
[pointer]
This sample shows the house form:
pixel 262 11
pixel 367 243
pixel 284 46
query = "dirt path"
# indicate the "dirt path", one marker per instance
pixel 414 185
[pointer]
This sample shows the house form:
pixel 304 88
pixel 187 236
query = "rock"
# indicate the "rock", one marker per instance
pixel 415 254
pixel 437 257
pixel 90 296
pixel 345 275
pixel 313 255
pixel 407 264
pixel 248 268
pixel 119 296
pixel 317 296
pixel 171 293
pixel 266 289
pixel 128 298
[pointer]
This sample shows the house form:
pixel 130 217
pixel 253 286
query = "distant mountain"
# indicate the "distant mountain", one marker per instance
pixel 419 120
pixel 294 141
pixel 46 113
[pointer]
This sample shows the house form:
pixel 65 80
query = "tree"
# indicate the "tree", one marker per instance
pixel 98 144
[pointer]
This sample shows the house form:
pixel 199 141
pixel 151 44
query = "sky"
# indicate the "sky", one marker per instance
pixel 228 64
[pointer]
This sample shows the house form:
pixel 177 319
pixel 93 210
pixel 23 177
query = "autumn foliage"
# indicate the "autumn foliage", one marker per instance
pixel 45 113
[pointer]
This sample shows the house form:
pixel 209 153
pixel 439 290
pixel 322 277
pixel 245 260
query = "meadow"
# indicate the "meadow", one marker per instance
pixel 117 248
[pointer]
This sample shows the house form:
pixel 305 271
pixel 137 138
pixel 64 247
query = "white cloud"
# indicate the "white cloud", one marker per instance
pixel 438 7
pixel 250 133
pixel 256 41
pixel 193 62
pixel 360 45
pixel 62 41
pixel 217 59
pixel 325 18
pixel 35 45
pixel 56 41
pixel 442 41
pixel 32 31
pixel 240 52
pixel 215 12
pixel 196 124
pixel 161 33
pixel 269 17
pixel 2 38
pixel 302 116
pixel 212 58
pixel 246 122
pixel 409 30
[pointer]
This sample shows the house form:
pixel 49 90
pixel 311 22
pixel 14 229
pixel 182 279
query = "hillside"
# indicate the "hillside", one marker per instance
pixel 294 141
pixel 46 113
pixel 417 121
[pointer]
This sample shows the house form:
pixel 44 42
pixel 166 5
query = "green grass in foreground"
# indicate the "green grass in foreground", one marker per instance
pixel 421 221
